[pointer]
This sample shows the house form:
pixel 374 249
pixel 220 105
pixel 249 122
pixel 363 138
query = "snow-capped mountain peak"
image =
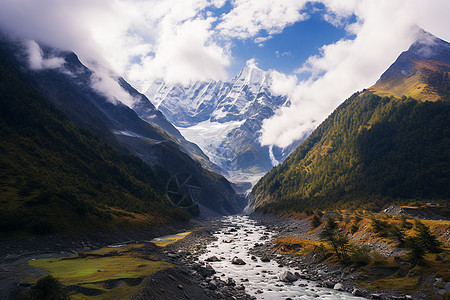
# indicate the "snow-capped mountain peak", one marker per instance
pixel 225 118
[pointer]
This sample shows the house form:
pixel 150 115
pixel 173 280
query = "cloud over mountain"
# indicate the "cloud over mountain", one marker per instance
pixel 383 30
pixel 185 41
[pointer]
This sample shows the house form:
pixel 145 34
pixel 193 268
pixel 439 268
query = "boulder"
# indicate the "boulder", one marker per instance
pixel 338 287
pixel 265 259
pixel 212 259
pixel 206 271
pixel 357 293
pixel 237 261
pixel 287 276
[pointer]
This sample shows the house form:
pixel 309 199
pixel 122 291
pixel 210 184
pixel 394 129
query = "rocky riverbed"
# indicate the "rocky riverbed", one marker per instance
pixel 235 258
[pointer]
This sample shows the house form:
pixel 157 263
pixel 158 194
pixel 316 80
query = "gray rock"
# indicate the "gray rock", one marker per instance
pixel 24 284
pixel 329 284
pixel 231 282
pixel 206 271
pixel 287 276
pixel 237 261
pixel 212 259
pixel 338 287
pixel 357 292
pixel 212 286
pixel 265 259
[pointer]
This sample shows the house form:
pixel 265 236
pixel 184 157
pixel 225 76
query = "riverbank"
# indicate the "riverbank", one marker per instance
pixel 16 275
pixel 192 278
pixel 331 273
pixel 196 273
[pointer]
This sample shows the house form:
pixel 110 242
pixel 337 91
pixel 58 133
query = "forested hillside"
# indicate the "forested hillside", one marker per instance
pixel 56 177
pixel 369 152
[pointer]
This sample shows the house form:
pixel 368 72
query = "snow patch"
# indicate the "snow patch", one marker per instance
pixel 209 135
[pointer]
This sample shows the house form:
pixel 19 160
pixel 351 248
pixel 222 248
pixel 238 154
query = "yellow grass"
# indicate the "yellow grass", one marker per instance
pixel 295 245
pixel 164 241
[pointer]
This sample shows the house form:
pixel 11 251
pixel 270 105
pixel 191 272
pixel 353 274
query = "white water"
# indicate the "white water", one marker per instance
pixel 262 276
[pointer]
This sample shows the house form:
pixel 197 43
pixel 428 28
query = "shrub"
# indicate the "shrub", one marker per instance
pixel 330 224
pixel 426 239
pixel 405 224
pixel 417 251
pixel 354 228
pixel 339 242
pixel 47 288
pixel 315 222
pixel 360 255
pixel 378 258
pixel 397 234
pixel 379 227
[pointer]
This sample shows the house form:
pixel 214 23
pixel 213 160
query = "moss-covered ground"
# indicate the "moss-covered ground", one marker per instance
pixel 108 273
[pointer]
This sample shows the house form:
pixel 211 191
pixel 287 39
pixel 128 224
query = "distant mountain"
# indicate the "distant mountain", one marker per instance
pixel 374 150
pixel 224 119
pixel 157 142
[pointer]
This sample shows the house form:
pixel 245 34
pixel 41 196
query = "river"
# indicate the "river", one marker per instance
pixel 260 279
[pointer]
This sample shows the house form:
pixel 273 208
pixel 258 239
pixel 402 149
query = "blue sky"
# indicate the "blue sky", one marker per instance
pixel 288 50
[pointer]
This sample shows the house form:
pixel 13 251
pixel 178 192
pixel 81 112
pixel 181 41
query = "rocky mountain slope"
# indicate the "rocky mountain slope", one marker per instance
pixel 224 119
pixel 374 150
pixel 422 72
pixel 70 88
pixel 57 177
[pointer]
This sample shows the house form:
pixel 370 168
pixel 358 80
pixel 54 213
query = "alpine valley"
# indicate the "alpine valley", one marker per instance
pixel 110 193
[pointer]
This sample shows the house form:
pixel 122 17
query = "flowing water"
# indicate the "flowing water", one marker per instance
pixel 263 277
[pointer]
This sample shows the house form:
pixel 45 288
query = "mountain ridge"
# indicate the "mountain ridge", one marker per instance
pixel 414 71
pixel 370 152
pixel 57 177
pixel 69 88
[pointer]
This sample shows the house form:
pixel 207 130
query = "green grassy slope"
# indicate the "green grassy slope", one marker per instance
pixel 56 177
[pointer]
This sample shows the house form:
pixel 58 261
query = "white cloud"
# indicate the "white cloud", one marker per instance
pixel 281 54
pixel 384 29
pixel 106 83
pixel 249 18
pixel 36 58
pixel 252 63
pixel 182 41
pixel 141 40
pixel 183 53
